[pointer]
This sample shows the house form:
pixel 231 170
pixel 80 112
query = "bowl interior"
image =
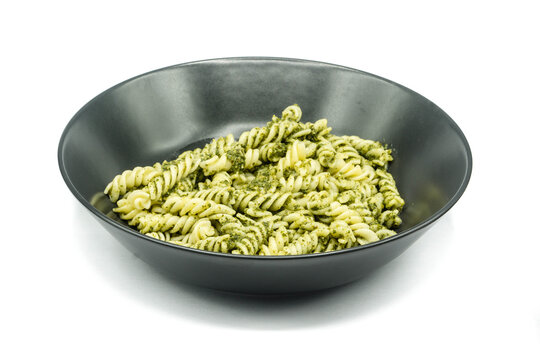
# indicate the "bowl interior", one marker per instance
pixel 155 116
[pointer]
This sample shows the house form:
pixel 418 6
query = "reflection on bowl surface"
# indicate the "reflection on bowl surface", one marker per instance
pixel 157 115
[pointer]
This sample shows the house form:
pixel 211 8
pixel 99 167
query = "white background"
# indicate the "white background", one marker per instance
pixel 470 288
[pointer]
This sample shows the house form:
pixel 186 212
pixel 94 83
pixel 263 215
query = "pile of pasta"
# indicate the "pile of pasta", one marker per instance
pixel 287 188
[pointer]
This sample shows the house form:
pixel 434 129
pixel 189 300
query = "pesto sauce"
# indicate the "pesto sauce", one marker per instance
pixel 239 227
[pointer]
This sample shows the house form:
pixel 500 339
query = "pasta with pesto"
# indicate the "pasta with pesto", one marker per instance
pixel 286 188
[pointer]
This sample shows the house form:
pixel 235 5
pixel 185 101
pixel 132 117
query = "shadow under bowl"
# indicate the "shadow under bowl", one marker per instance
pixel 157 115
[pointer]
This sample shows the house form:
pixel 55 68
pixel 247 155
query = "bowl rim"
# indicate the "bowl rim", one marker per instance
pixel 423 224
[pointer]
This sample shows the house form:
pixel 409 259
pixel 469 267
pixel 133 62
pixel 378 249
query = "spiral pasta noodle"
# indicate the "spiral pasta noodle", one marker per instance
pixel 131 179
pixel 286 188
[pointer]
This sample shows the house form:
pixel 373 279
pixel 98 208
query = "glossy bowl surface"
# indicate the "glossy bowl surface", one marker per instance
pixel 157 115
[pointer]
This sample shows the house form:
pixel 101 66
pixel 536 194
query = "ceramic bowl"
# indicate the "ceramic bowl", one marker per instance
pixel 157 115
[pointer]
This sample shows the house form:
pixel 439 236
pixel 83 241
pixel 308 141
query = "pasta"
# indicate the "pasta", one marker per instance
pixel 287 188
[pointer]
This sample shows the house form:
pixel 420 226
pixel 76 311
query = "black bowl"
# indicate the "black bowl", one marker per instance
pixel 157 115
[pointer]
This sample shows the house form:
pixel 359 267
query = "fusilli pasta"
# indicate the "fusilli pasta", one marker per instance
pixel 287 188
